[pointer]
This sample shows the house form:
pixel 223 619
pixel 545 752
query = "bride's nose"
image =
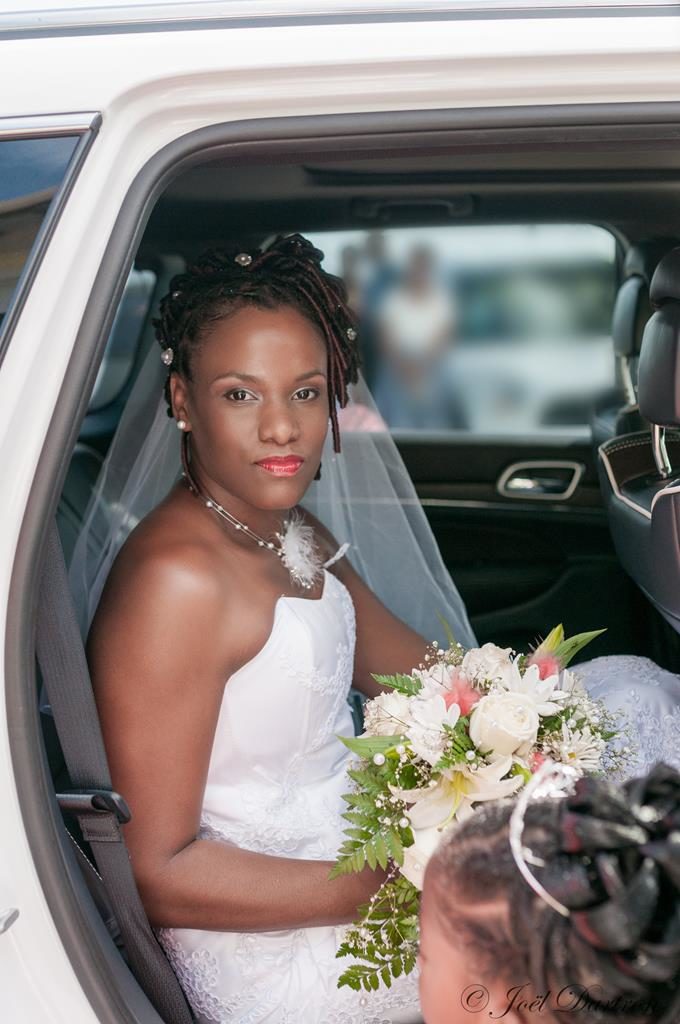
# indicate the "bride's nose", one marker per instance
pixel 279 423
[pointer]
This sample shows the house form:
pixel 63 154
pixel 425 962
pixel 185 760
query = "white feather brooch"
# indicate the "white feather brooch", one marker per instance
pixel 299 552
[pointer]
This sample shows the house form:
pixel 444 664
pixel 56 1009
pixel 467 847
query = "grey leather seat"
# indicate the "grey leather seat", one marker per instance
pixel 617 412
pixel 640 472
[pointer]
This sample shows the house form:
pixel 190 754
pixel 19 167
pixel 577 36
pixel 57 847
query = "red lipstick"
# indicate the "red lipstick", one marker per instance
pixel 281 465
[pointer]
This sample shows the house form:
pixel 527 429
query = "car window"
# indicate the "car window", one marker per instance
pixel 495 329
pixel 31 170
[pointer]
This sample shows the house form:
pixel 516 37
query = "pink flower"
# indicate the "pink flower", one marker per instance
pixel 536 760
pixel 547 664
pixel 461 693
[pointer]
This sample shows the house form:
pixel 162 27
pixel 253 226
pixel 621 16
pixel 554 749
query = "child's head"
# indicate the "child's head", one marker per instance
pixel 611 857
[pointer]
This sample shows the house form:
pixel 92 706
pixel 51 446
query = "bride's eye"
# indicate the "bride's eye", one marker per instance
pixel 239 395
pixel 306 394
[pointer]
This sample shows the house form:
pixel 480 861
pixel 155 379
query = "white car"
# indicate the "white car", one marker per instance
pixel 132 135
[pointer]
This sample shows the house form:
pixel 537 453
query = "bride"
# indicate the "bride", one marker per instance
pixel 236 790
pixel 229 631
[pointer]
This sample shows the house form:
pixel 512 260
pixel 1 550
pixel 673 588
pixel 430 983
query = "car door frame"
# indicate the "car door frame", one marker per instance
pixel 292 136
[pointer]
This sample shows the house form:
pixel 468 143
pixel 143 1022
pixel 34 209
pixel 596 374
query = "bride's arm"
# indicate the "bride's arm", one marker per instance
pixel 156 654
pixel 385 644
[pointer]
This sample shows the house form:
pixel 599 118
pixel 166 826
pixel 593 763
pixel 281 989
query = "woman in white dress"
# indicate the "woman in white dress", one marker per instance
pixel 222 671
pixel 222 655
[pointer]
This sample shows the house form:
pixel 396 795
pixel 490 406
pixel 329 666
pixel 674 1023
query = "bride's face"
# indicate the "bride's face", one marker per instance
pixel 257 407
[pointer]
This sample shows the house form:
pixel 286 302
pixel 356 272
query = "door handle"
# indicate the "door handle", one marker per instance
pixel 550 480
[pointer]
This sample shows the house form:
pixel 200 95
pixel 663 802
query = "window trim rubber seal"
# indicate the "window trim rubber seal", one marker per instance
pixel 112 992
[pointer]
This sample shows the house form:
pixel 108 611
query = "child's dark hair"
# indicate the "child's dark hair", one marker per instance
pixel 287 273
pixel 612 858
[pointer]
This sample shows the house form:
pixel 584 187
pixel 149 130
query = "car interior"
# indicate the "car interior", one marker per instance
pixel 528 520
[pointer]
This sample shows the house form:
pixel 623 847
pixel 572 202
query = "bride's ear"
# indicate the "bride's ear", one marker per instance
pixel 178 398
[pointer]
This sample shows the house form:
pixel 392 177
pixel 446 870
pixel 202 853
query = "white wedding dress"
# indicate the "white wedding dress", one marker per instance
pixel 648 697
pixel 275 785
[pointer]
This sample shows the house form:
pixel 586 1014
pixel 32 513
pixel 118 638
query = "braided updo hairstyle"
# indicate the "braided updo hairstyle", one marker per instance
pixel 612 858
pixel 287 273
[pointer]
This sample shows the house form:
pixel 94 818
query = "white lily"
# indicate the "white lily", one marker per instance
pixel 457 791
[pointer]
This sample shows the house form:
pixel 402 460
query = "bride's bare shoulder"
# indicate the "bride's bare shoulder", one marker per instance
pixel 169 558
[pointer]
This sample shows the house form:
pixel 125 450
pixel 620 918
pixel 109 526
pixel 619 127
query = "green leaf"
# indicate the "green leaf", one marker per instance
pixel 380 851
pixel 403 684
pixel 367 746
pixel 386 976
pixel 371 856
pixel 395 847
pixel 569 648
pixel 518 769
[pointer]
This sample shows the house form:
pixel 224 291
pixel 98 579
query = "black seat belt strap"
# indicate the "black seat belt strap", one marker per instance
pixel 99 811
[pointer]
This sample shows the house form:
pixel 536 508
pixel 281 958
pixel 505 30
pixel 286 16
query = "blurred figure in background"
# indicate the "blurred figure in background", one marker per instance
pixel 415 322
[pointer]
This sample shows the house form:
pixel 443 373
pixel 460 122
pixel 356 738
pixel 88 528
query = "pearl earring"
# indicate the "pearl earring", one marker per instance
pixel 181 424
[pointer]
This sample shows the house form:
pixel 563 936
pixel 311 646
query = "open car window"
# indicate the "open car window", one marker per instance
pixel 491 329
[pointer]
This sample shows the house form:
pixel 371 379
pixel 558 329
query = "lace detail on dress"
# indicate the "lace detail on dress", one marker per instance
pixel 341 677
pixel 649 698
pixel 278 824
pixel 258 964
pixel 199 976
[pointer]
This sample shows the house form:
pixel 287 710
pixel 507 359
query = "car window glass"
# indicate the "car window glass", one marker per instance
pixel 31 171
pixel 501 329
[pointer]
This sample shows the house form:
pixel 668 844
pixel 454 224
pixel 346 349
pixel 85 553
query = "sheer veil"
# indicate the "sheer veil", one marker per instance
pixel 365 497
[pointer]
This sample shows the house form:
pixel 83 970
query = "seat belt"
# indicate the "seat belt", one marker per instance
pixel 100 811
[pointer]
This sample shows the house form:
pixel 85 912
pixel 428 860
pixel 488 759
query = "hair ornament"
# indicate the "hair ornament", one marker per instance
pixel 167 356
pixel 351 334
pixel 553 781
pixel 244 259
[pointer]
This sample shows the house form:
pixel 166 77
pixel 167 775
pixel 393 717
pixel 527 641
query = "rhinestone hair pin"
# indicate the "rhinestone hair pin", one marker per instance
pixel 552 781
pixel 167 356
pixel 244 259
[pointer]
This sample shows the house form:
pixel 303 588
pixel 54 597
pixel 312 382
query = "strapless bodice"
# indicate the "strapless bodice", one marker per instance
pixel 277 769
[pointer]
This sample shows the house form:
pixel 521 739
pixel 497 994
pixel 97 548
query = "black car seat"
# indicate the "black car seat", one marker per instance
pixel 640 472
pixel 616 412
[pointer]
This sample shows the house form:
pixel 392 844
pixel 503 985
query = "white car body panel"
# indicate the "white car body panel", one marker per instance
pixel 151 88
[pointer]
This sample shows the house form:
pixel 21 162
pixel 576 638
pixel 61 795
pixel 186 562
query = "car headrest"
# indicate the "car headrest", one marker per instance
pixel 632 307
pixel 659 368
pixel 665 286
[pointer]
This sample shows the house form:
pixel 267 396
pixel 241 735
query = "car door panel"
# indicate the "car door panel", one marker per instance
pixel 523 565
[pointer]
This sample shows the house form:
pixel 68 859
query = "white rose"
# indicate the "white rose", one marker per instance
pixel 387 714
pixel 426 841
pixel 488 662
pixel 504 723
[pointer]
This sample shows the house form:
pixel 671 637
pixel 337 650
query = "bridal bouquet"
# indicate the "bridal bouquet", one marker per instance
pixel 463 728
